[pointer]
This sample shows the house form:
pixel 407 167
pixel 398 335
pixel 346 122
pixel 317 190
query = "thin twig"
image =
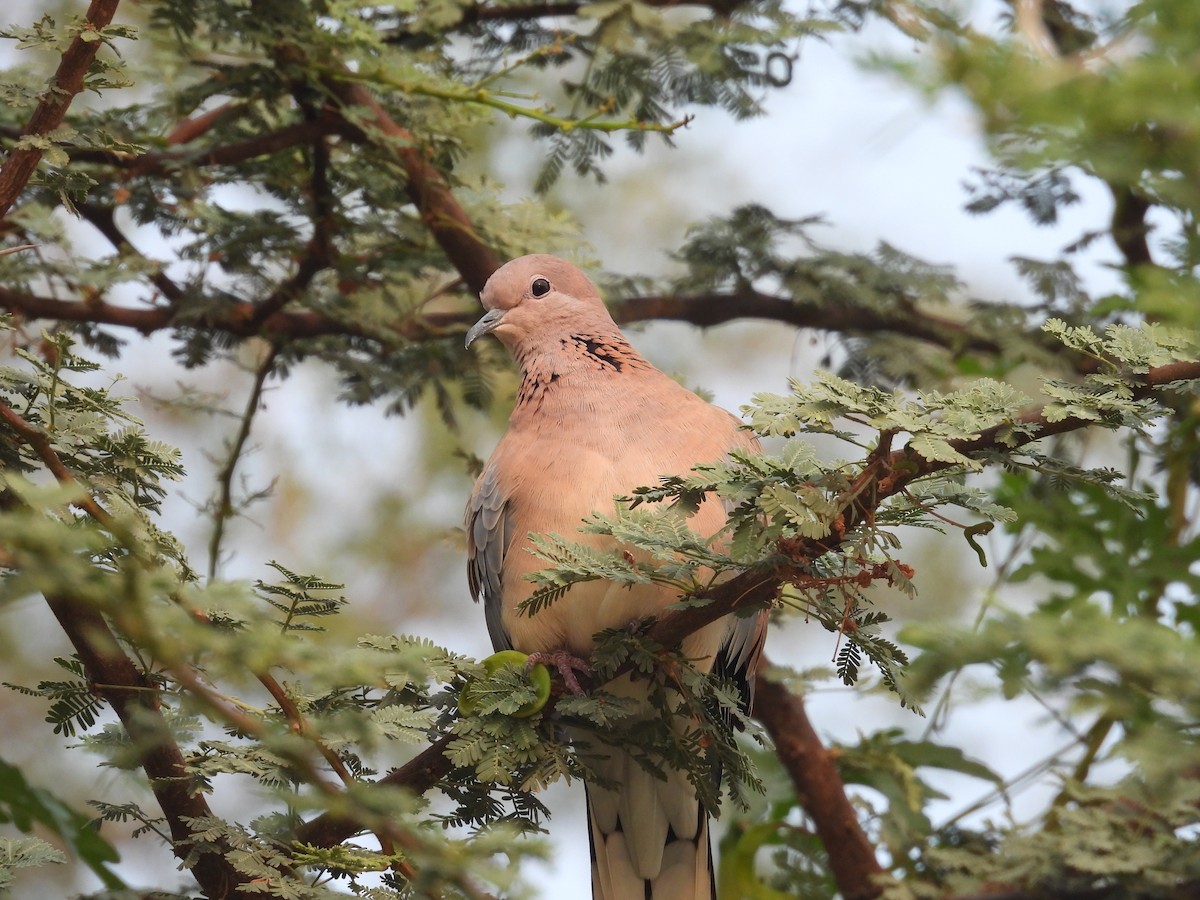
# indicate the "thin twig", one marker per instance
pixel 224 505
pixel 252 727
pixel 319 254
pixel 490 99
pixel 299 725
pixel 40 443
pixel 418 775
pixel 187 130
pixel 104 220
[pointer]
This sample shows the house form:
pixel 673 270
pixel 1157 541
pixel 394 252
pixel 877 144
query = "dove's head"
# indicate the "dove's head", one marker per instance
pixel 538 298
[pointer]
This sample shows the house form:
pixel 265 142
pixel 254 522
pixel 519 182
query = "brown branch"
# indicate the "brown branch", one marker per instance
pixel 131 694
pixel 135 701
pixel 21 163
pixel 717 308
pixel 389 833
pixel 515 12
pixel 484 13
pixel 703 310
pixel 820 789
pixel 913 466
pixel 224 508
pixel 32 306
pixel 187 130
pixel 1129 228
pixel 418 775
pixel 876 483
pixel 1106 892
pixel 440 212
pixel 319 254
pixel 39 442
pixel 312 263
pixel 286 138
pixel 163 162
pixel 236 319
pixel 298 725
pixel 103 220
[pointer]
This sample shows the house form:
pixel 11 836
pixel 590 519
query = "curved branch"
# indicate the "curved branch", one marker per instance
pixel 1037 424
pixel 717 308
pixel 886 476
pixel 418 775
pixel 103 220
pixel 319 254
pixel 237 319
pixel 507 13
pixel 819 788
pixel 1129 227
pixel 135 701
pixel 702 310
pixel 52 109
pixel 224 508
pixel 163 162
pixel 440 212
pixel 132 696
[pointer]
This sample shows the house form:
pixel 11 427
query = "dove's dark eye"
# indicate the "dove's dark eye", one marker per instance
pixel 540 287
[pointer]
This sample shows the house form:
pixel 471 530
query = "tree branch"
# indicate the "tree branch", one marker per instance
pixel 718 308
pixel 703 310
pixel 21 163
pixel 132 696
pixel 819 788
pixel 104 221
pixel 877 482
pixel 910 465
pixel 236 319
pixel 224 507
pixel 418 775
pixel 481 12
pixel 135 701
pixel 440 212
pixel 162 163
pixel 1129 228
pixel 319 254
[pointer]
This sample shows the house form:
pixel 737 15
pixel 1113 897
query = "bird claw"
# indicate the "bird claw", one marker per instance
pixel 566 664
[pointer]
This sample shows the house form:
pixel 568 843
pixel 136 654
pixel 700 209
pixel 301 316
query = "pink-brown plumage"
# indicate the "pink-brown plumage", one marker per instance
pixel 593 419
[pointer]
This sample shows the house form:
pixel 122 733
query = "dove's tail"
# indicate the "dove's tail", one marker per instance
pixel 649 837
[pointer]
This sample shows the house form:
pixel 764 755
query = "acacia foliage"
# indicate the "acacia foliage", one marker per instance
pixel 296 176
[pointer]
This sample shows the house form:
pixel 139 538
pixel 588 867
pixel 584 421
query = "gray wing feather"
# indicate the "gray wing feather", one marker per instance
pixel 489 532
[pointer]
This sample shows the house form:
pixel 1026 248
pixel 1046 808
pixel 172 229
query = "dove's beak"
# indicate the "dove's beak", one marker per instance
pixel 489 323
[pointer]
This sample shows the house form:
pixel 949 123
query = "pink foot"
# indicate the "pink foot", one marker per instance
pixel 566 664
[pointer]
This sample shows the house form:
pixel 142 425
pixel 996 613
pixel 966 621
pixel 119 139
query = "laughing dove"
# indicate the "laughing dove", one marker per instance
pixel 593 419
